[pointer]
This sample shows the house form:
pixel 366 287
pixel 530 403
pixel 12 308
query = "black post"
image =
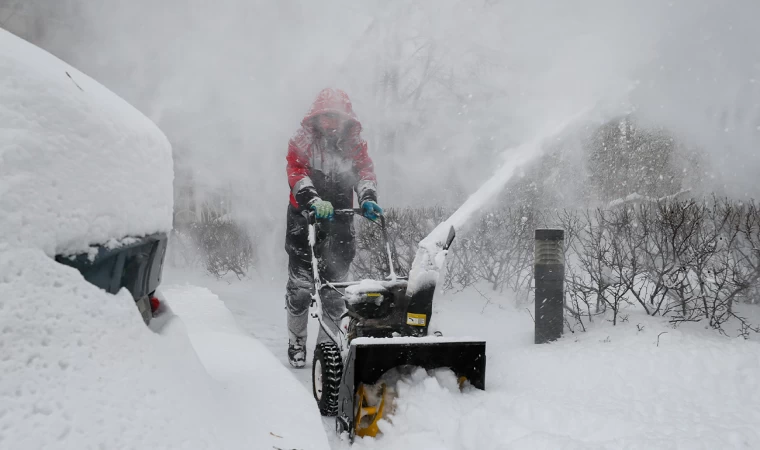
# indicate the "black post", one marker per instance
pixel 549 273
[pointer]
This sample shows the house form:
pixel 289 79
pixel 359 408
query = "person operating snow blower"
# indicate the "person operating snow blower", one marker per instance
pixel 327 161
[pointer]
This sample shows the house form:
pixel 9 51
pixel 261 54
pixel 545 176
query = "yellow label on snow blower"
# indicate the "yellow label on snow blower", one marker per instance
pixel 373 294
pixel 417 320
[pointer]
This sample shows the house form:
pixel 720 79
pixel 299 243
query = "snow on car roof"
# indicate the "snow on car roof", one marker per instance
pixel 78 164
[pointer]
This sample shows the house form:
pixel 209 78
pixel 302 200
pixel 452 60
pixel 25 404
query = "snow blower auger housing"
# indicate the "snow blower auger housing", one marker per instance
pixel 381 328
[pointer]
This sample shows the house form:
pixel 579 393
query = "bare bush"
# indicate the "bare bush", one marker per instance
pixel 406 228
pixel 225 247
pixel 680 259
pixel 683 260
pixel 497 249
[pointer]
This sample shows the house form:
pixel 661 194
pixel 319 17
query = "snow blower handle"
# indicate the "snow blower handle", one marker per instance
pixel 312 219
pixel 311 216
pixel 349 211
pixel 360 212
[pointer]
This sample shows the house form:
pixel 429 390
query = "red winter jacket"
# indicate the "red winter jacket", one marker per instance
pixel 330 170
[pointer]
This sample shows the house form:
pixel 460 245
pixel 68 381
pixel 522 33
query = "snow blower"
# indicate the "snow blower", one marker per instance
pixel 381 327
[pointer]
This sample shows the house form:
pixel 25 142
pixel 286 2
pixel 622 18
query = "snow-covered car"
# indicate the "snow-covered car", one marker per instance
pixel 84 176
pixel 132 263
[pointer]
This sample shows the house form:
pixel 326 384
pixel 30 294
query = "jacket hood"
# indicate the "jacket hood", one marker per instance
pixel 331 100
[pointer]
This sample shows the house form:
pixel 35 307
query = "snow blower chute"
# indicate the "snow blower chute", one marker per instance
pixel 382 327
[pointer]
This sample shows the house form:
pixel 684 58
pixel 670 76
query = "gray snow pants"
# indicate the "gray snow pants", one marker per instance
pixel 335 251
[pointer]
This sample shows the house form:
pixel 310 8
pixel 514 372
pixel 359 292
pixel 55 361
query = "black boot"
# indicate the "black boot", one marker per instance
pixel 297 353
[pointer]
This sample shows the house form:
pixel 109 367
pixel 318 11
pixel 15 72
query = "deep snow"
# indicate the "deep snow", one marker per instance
pixel 268 402
pixel 79 369
pixel 611 387
pixel 78 165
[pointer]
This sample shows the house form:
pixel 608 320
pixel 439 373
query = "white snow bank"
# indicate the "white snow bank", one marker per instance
pixel 265 398
pixel 79 369
pixel 78 165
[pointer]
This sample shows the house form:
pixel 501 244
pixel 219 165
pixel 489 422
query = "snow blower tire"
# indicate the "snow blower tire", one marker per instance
pixel 326 372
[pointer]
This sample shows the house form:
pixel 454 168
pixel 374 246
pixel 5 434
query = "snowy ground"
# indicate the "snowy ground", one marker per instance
pixel 641 384
pixel 266 400
pixel 79 369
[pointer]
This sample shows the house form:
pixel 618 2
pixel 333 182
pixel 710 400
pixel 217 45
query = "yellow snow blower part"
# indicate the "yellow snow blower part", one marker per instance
pixel 370 409
pixel 370 358
pixel 368 416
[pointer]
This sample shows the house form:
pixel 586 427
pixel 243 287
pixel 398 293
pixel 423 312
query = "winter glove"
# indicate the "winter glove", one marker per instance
pixel 371 210
pixel 323 209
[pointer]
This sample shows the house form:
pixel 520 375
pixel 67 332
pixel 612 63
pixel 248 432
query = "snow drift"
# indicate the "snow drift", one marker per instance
pixel 78 165
pixel 265 398
pixel 79 368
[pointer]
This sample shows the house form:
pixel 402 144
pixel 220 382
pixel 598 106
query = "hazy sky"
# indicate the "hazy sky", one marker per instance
pixel 229 81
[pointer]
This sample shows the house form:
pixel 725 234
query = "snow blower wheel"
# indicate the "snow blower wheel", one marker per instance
pixel 327 368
